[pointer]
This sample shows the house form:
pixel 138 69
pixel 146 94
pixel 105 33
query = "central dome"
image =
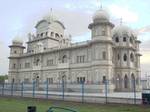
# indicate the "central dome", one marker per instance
pixel 101 15
pixel 50 18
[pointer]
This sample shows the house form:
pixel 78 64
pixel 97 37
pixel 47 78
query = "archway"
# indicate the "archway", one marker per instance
pixel 126 82
pixel 118 82
pixel 64 59
pixel 132 81
pixel 13 80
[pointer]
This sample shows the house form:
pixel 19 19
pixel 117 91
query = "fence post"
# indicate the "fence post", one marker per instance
pixel 106 90
pixel 12 86
pixel 47 88
pixel 82 89
pixel 3 88
pixel 22 88
pixel 63 89
pixel 33 92
pixel 134 89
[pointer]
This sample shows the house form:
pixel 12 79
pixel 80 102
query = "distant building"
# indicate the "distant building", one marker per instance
pixel 112 54
pixel 145 82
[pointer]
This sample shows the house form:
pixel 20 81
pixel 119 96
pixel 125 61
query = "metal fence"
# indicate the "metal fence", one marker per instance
pixel 82 92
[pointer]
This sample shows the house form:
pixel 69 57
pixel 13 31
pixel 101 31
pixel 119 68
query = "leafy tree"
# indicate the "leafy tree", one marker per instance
pixel 3 78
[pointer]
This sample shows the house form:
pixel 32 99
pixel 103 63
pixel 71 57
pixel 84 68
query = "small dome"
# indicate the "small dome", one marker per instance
pixel 122 30
pixel 17 40
pixel 101 15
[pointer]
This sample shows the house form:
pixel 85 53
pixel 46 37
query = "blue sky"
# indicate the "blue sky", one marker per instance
pixel 18 17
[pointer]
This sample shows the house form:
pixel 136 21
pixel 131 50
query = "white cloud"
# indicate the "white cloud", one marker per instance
pixel 145 29
pixel 145 58
pixel 124 13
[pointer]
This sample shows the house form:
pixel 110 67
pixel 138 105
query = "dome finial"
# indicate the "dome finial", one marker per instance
pixel 50 17
pixel 17 39
pixel 51 12
pixel 121 21
pixel 100 4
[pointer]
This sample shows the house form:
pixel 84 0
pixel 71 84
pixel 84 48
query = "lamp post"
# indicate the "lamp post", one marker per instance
pixel 63 88
pixel 106 90
pixel 134 90
pixel 117 84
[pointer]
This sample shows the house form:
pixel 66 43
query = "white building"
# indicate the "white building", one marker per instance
pixel 145 82
pixel 112 54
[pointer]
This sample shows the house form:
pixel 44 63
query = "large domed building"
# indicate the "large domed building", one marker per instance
pixel 111 55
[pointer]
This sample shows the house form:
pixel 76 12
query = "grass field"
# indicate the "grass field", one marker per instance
pixel 20 105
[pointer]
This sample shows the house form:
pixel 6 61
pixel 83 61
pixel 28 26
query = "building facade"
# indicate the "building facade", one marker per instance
pixel 112 54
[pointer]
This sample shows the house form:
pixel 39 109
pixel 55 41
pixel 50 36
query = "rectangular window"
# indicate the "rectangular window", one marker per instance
pixel 124 39
pixel 50 80
pixel 14 66
pixel 104 55
pixel 80 80
pixel 27 65
pixel 50 62
pixel 80 59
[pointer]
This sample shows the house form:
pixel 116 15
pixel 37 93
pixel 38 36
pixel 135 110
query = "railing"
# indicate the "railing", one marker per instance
pixel 82 92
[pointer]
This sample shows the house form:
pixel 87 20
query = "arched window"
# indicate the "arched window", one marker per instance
pixel 132 80
pixel 14 66
pixel 117 39
pixel 131 40
pixel 56 35
pixel 15 52
pixel 126 81
pixel 46 33
pixel 118 57
pixel 64 59
pixel 103 32
pixel 37 61
pixel 125 57
pixel 132 57
pixel 104 55
pixel 41 34
pixel 104 79
pixel 124 39
pixel 118 82
pixel 52 34
pixel 13 80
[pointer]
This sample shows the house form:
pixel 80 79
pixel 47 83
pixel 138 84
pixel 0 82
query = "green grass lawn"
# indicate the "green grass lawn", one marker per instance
pixel 20 105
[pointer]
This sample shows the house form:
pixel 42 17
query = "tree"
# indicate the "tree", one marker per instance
pixel 3 78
